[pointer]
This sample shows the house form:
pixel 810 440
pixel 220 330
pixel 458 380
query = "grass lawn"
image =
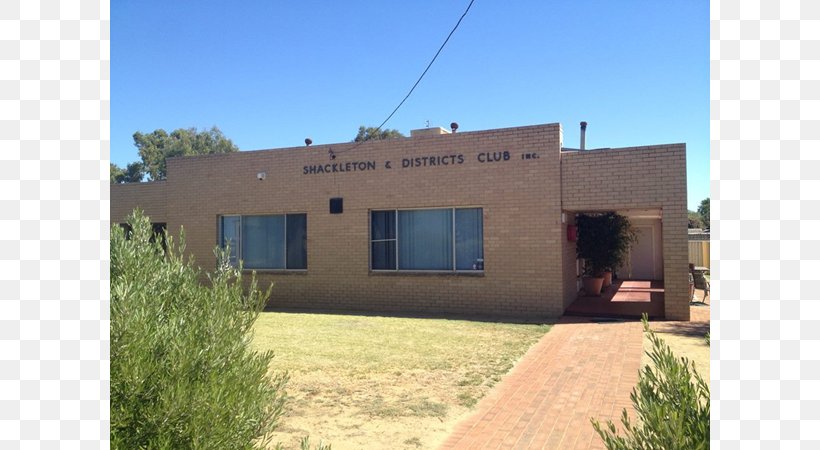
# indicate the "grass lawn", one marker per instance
pixel 385 382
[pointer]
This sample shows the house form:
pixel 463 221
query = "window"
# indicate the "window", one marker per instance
pixel 427 239
pixel 266 242
pixel 157 229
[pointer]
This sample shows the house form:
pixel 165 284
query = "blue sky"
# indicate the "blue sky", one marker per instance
pixel 269 74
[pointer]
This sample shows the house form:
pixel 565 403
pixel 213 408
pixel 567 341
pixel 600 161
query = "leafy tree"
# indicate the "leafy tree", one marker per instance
pixel 154 148
pixel 695 220
pixel 672 404
pixel 703 211
pixel 133 173
pixel 183 374
pixel 117 173
pixel 373 133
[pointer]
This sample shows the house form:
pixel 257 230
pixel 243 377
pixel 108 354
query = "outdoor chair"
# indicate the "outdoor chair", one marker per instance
pixel 701 283
pixel 691 287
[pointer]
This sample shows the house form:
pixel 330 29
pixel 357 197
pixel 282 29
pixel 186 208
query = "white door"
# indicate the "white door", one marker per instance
pixel 642 256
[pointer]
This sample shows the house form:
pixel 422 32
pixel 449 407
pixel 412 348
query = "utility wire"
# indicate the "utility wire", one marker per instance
pixel 420 77
pixel 428 65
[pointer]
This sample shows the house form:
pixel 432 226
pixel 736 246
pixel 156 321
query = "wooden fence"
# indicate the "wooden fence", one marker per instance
pixel 699 253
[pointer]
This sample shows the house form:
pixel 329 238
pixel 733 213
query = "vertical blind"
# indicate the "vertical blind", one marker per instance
pixel 469 239
pixel 230 237
pixel 383 240
pixel 266 242
pixel 427 239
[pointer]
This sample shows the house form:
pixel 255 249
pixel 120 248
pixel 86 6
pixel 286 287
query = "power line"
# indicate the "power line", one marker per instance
pixel 428 65
pixel 420 77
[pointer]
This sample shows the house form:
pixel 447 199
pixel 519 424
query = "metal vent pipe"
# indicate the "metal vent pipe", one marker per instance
pixel 583 135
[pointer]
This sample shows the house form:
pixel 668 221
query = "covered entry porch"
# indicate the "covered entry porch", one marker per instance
pixel 647 185
pixel 640 282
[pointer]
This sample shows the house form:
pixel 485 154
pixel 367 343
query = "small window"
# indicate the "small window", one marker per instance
pixel 157 229
pixel 449 239
pixel 266 242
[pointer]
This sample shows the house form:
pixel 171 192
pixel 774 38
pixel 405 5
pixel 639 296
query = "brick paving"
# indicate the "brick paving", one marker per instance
pixel 580 369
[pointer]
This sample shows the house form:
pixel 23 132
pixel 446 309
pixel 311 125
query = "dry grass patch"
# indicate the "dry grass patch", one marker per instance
pixel 693 348
pixel 385 382
pixel 686 339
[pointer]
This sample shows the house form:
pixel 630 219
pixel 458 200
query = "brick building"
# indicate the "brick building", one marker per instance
pixel 440 222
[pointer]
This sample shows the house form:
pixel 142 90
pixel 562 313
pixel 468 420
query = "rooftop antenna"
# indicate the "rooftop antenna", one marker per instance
pixel 428 124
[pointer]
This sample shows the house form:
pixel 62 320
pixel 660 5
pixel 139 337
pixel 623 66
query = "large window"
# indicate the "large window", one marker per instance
pixel 427 239
pixel 266 242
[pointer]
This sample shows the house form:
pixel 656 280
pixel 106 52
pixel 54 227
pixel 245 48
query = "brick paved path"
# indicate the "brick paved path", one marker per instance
pixel 579 369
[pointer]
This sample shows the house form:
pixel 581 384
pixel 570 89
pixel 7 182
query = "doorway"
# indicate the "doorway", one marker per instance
pixel 646 256
pixel 642 255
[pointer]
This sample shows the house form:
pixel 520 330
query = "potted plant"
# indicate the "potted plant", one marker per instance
pixel 620 238
pixel 607 278
pixel 591 247
pixel 593 283
pixel 604 241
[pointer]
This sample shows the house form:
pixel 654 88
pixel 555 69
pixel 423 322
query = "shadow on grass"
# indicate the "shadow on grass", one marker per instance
pixel 687 329
pixel 416 315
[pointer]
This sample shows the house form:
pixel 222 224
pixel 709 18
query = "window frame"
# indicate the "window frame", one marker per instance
pixel 453 270
pixel 395 239
pixel 221 236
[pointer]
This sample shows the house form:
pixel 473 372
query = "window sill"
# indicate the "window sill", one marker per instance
pixel 425 273
pixel 276 271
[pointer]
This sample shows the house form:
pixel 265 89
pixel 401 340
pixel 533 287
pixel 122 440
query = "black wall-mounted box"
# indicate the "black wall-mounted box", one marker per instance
pixel 336 205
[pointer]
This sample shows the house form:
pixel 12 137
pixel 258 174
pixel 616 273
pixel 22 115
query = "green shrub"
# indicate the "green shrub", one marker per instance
pixel 672 409
pixel 305 445
pixel 182 372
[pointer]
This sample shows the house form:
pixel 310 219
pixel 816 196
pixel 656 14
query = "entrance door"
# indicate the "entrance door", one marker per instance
pixel 642 256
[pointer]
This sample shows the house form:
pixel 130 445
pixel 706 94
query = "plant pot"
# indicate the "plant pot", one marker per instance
pixel 607 279
pixel 592 286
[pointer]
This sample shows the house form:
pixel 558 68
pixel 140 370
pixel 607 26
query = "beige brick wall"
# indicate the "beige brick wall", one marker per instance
pixel 151 197
pixel 529 264
pixel 518 196
pixel 638 178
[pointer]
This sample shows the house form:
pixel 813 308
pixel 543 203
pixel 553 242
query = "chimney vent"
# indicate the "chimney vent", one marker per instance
pixel 583 135
pixel 454 126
